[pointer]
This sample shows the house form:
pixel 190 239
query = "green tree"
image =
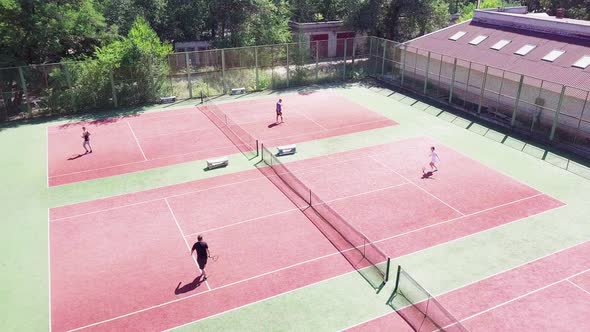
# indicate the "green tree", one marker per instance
pixel 468 10
pixel 38 31
pixel 399 20
pixel 267 24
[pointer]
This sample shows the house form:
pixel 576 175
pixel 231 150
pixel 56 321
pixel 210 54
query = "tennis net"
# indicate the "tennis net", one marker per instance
pixel 360 252
pixel 419 308
pixel 247 144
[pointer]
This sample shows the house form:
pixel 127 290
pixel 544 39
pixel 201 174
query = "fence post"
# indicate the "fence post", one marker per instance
pixel 317 60
pixel 24 87
pixel 69 81
pixel 272 67
pixel 288 67
pixel 453 81
pixel 114 91
pixel 223 86
pixel 517 100
pixel 256 65
pixel 188 75
pixel 344 67
pixel 582 112
pixel 426 72
pixel 383 60
pixel 483 90
pixel 552 136
pixel 467 85
pixel 371 59
pixel 404 64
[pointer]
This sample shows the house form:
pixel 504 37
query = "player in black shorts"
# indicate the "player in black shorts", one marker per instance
pixel 279 111
pixel 86 137
pixel 202 250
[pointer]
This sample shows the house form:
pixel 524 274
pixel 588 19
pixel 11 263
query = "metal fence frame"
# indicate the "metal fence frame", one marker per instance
pixel 553 112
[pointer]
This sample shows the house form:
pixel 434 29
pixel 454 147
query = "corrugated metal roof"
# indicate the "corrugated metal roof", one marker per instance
pixel 531 64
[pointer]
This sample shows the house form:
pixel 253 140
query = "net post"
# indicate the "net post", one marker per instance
pixel 262 151
pixel 310 198
pixel 201 95
pixel 257 149
pixel 394 293
pixel 399 270
pixel 387 269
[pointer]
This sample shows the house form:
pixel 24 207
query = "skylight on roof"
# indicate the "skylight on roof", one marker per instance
pixel 499 45
pixel 553 55
pixel 457 35
pixel 478 39
pixel 583 63
pixel 525 49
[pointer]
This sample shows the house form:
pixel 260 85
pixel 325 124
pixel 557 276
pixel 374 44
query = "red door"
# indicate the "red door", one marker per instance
pixel 340 38
pixel 319 41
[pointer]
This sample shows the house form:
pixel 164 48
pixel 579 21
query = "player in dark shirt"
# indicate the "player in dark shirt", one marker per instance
pixel 279 111
pixel 202 250
pixel 86 137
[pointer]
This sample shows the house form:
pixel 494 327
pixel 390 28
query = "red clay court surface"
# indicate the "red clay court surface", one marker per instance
pixel 548 294
pixel 131 144
pixel 119 260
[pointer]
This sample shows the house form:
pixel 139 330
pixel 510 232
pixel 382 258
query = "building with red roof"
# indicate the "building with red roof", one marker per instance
pixel 528 71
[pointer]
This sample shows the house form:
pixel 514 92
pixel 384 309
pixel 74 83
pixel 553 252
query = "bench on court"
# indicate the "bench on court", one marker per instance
pixel 167 100
pixel 286 149
pixel 217 162
pixel 238 91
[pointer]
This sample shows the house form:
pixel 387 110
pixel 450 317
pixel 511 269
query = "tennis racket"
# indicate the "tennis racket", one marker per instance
pixel 214 258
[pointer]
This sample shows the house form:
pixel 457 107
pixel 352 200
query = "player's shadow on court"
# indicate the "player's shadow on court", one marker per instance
pixel 272 125
pixel 427 175
pixel 188 287
pixel 77 156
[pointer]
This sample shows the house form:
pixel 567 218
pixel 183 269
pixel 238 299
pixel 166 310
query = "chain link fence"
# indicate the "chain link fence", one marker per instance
pixel 71 87
pixel 553 112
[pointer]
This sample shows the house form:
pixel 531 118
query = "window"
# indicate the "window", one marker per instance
pixel 180 49
pixel 583 63
pixel 553 55
pixel 525 49
pixel 457 35
pixel 499 45
pixel 478 40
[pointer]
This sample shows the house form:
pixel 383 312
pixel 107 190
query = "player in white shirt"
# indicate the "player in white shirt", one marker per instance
pixel 434 159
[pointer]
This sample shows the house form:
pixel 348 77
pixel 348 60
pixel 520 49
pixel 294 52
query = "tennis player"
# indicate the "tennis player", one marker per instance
pixel 202 250
pixel 86 137
pixel 433 159
pixel 279 110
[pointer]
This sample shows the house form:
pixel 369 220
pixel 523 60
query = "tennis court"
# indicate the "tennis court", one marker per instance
pixel 136 143
pixel 497 239
pixel 137 245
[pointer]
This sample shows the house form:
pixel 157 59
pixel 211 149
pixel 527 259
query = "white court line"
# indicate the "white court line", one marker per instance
pixel 417 186
pixel 184 239
pixel 522 296
pixel 311 260
pixel 578 286
pixel 153 200
pixel 224 286
pixel 466 216
pixel 131 163
pixel 312 120
pixel 136 141
pixel 193 191
pixel 196 151
pixel 479 280
pixel 296 209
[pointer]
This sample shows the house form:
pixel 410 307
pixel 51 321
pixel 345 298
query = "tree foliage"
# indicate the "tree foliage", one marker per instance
pixel 39 31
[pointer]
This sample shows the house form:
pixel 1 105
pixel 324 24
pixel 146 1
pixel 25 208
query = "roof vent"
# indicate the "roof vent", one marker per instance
pixel 560 13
